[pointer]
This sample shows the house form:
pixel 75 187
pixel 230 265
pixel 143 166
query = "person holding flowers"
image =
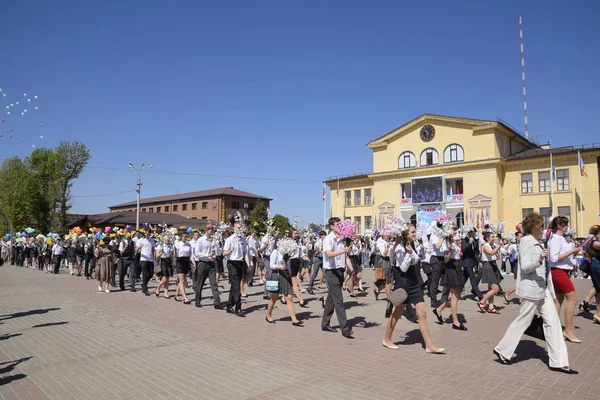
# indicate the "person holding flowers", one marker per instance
pixel 335 261
pixel 405 277
pixel 279 264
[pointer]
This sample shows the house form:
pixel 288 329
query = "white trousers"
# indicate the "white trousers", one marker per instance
pixel 557 348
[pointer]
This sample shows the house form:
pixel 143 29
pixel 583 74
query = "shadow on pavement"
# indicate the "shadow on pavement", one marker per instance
pixel 9 366
pixel 26 313
pixel 362 322
pixel 9 335
pixel 528 349
pixel 50 324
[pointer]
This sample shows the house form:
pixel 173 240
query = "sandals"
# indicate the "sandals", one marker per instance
pixel 493 311
pixel 177 298
pixel 481 307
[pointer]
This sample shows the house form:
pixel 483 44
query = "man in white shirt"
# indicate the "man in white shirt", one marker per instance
pixel 267 245
pixel 57 255
pixel 194 271
pixel 236 251
pixel 317 261
pixel 145 248
pixel 438 248
pixel 206 268
pixel 126 262
pixel 253 256
pixel 335 262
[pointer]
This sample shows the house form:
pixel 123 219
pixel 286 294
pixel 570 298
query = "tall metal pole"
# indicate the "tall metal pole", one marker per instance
pixel 523 75
pixel 137 210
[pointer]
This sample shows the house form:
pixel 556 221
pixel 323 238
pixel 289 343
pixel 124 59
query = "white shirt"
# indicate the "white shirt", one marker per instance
pixel 433 240
pixel 193 244
pixel 204 247
pixel 276 259
pixel 381 246
pixel 269 242
pixel 556 246
pixel 184 249
pixel 455 252
pixel 485 256
pixel 146 247
pixel 57 250
pixel 252 246
pixel 334 244
pixel 238 247
pixel 319 248
pixel 403 259
pixel 165 250
pixel 513 250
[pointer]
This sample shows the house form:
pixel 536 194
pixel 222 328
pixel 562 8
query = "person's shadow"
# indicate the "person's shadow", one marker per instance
pixel 412 337
pixel 528 349
pixel 26 313
pixel 9 335
pixel 362 323
pixel 9 367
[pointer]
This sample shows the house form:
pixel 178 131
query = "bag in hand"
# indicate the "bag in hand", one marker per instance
pixel 536 328
pixel 379 274
pixel 397 297
pixel 272 286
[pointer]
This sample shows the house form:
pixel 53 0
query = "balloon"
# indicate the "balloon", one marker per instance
pixel 24 110
pixel 41 125
pixel 33 145
pixel 25 94
pixel 29 100
pixel 17 103
pixel 41 137
pixel 36 107
pixel 8 113
pixel 35 97
pixel 3 121
pixel 7 107
pixel 22 113
pixel 4 94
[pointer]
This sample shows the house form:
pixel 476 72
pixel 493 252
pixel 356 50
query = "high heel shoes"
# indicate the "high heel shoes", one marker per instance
pixel 322 300
pixel 585 305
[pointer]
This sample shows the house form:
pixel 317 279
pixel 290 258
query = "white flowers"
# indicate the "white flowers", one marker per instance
pixel 287 247
pixel 498 228
pixel 396 225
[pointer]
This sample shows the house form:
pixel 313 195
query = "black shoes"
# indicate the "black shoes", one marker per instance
pixel 197 304
pixel 460 327
pixel 503 360
pixel 564 370
pixel 439 317
pixel 328 329
pixel 310 291
pixel 240 313
pixel 220 306
pixel 270 322
pixel 230 310
pixel 132 290
pixel 146 293
pixel 348 334
pixel 299 323
pixel 303 305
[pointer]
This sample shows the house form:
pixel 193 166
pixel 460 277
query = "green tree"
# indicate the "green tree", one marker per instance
pixel 44 191
pixel 71 159
pixel 281 223
pixel 258 217
pixel 312 227
pixel 15 194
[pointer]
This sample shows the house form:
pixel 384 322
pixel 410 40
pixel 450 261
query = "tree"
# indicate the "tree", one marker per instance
pixel 258 217
pixel 312 227
pixel 71 159
pixel 44 168
pixel 15 196
pixel 281 223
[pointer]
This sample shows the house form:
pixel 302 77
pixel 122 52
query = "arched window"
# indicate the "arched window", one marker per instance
pixel 454 153
pixel 429 156
pixel 460 219
pixel 407 160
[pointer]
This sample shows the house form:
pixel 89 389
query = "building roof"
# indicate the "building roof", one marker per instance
pixel 545 152
pixel 129 218
pixel 224 191
pixel 461 120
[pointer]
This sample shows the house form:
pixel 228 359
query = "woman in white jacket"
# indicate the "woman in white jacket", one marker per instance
pixel 534 286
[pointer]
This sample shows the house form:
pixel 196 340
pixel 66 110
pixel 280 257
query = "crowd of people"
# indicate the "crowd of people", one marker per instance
pixel 410 262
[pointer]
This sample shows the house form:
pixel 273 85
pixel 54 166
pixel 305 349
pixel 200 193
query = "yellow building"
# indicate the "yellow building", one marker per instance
pixel 476 170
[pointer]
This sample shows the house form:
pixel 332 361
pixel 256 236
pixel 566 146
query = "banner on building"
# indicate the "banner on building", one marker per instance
pixel 427 213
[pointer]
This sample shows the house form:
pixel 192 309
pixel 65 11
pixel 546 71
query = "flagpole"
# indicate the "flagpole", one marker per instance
pixel 551 187
pixel 338 197
pixel 324 207
pixel 581 229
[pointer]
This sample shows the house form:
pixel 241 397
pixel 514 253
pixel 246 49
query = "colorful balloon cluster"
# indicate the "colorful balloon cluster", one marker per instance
pixel 17 121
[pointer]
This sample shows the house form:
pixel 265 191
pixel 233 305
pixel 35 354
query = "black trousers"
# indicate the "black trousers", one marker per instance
pixel 57 261
pixel 207 269
pixel 89 259
pixel 335 299
pixel 147 272
pixel 124 265
pixel 236 272
pixel 438 266
pixel 469 274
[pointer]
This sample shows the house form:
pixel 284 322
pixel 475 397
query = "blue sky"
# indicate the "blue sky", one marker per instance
pixel 285 90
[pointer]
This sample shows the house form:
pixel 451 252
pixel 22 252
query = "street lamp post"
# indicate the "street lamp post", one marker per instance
pixel 138 189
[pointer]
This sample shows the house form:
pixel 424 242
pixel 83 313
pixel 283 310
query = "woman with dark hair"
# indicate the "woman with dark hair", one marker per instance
pixel 405 277
pixel 164 253
pixel 534 286
pixel 593 252
pixel 280 271
pixel 490 273
pixel 454 283
pixel 560 266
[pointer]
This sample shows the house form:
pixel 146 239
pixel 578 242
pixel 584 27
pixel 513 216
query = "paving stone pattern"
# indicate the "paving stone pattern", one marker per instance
pixel 62 339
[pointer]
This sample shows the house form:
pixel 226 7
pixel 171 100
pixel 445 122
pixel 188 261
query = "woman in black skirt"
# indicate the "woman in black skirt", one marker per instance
pixel 183 252
pixel 354 278
pixel 280 270
pixel 405 277
pixel 164 253
pixel 490 273
pixel 454 283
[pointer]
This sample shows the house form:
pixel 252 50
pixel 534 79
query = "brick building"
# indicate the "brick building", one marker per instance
pixel 215 204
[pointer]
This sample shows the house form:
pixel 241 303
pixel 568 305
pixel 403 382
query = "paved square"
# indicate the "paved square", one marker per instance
pixel 62 339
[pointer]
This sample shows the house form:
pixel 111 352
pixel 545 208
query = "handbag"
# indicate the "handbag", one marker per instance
pixel 585 266
pixel 379 274
pixel 397 297
pixel 536 328
pixel 272 286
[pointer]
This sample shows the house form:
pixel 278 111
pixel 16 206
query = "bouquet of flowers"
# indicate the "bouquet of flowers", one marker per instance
pixel 397 226
pixel 346 229
pixel 498 228
pixel 269 221
pixel 512 238
pixel 422 230
pixel 465 229
pixel 446 231
pixel 287 247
